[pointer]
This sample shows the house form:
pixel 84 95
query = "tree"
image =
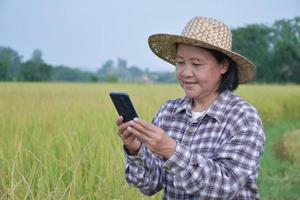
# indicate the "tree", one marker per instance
pixel 13 60
pixel 106 67
pixel 4 71
pixel 286 50
pixel 37 56
pixel 94 78
pixel 135 71
pixel 35 69
pixel 253 41
pixel 122 64
pixel 64 73
pixel 31 71
pixel 274 49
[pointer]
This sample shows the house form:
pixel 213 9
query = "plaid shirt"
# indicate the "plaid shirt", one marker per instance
pixel 217 155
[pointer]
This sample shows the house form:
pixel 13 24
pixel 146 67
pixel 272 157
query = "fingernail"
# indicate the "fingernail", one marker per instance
pixel 135 119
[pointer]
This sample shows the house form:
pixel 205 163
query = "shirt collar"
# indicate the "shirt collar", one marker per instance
pixel 216 110
pixel 185 103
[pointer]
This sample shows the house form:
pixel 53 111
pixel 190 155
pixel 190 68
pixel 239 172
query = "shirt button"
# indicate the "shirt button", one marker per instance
pixel 190 130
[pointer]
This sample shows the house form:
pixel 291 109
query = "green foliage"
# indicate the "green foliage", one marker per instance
pixel 13 61
pixel 31 71
pixel 4 71
pixel 274 49
pixel 63 73
pixel 252 41
pixel 286 59
pixel 94 78
pixel 37 56
pixel 35 69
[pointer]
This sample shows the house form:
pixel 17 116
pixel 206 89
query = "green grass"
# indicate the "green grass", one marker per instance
pixel 59 141
pixel 279 179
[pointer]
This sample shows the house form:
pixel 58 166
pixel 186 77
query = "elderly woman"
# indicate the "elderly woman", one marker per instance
pixel 208 144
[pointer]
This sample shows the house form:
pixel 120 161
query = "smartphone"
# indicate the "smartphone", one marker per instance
pixel 123 105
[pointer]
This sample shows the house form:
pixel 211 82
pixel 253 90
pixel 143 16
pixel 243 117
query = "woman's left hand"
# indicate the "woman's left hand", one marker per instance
pixel 153 137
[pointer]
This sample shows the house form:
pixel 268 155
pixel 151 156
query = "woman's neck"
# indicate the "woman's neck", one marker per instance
pixel 202 104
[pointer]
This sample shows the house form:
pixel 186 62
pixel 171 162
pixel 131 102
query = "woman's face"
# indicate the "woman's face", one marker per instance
pixel 198 72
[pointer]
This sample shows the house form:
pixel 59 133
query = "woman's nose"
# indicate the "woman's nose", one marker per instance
pixel 187 71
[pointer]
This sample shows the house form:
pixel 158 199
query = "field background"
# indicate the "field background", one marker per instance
pixel 59 140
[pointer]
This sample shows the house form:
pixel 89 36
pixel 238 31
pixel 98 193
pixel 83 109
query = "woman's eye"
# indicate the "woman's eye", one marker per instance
pixel 196 64
pixel 179 62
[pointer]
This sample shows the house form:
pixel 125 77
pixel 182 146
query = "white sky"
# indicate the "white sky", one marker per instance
pixel 86 33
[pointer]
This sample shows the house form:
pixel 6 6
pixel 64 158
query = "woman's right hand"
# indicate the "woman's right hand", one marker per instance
pixel 129 140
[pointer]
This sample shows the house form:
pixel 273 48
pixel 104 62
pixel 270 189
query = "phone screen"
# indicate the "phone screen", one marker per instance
pixel 123 105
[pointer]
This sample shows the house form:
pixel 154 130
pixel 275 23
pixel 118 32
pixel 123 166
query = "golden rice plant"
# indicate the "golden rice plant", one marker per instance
pixel 59 140
pixel 288 147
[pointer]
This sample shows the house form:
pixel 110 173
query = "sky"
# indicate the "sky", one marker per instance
pixel 85 34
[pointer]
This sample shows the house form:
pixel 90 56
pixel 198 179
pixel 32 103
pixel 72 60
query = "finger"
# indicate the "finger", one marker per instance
pixel 119 120
pixel 123 126
pixel 138 134
pixel 145 124
pixel 126 134
pixel 132 138
pixel 151 128
pixel 141 129
pixel 126 137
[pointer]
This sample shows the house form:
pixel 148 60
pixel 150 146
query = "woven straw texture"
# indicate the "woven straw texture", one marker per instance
pixel 206 33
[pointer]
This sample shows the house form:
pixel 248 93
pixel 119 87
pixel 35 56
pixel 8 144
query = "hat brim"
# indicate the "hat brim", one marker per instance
pixel 165 47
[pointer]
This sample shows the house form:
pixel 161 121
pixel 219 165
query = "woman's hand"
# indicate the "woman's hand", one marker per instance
pixel 129 140
pixel 153 137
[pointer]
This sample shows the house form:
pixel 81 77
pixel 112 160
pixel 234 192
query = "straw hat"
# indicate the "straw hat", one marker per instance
pixel 206 33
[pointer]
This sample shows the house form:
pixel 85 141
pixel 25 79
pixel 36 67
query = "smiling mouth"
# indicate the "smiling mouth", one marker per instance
pixel 189 83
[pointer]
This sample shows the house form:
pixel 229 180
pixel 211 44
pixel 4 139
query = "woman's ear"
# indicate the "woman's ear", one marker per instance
pixel 224 66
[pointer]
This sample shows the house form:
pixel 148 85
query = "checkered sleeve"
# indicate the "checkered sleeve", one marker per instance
pixel 225 173
pixel 145 170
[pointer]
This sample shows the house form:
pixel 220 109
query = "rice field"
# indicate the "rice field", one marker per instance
pixel 59 140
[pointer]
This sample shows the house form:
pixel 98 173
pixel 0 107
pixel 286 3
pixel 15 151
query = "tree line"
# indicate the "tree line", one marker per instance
pixel 274 49
pixel 12 68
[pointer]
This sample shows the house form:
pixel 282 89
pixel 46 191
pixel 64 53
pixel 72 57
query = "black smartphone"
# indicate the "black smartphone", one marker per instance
pixel 123 105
